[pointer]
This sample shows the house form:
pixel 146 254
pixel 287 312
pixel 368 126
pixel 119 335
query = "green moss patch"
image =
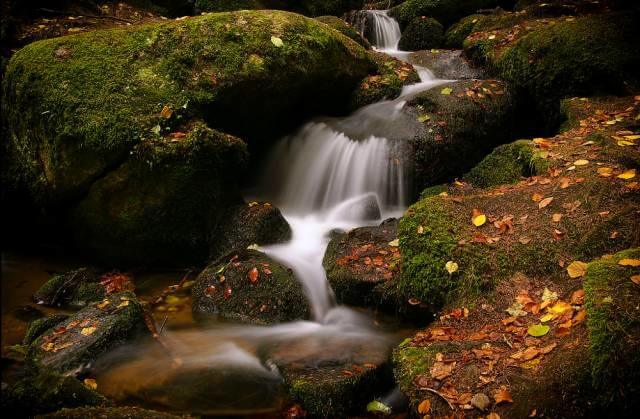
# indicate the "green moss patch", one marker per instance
pixel 422 33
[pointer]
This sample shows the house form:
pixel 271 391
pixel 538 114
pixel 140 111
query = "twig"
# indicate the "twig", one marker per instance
pixel 184 278
pixel 437 393
pixel 154 333
pixel 164 321
pixel 506 340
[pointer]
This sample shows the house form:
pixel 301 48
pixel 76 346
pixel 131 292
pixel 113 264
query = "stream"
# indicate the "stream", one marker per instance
pixel 332 174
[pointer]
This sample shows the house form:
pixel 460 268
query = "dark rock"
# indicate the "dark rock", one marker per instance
pixel 248 286
pixel 86 335
pixel 74 288
pixel 422 33
pixel 254 223
pixel 40 326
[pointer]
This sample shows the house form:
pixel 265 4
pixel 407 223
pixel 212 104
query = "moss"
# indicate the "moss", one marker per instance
pixel 88 334
pixel 161 205
pixel 231 5
pixel 40 326
pixel 507 164
pixel 586 56
pixel 306 7
pixel 70 288
pixel 456 33
pixel 329 7
pixel 614 323
pixel 224 289
pixel 444 11
pixel 46 392
pixel 433 191
pixel 391 76
pixel 345 29
pixel 421 33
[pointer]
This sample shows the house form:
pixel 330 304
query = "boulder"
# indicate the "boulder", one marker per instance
pixel 74 288
pixel 550 59
pixel 248 286
pixel 38 327
pixel 444 11
pixel 461 123
pixel 456 34
pixel 86 335
pixel 448 65
pixel 420 34
pixel 345 29
pixel 253 223
pixel 118 124
pixel 363 265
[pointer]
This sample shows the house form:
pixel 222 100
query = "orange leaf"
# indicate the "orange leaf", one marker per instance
pixel 502 396
pixel 253 275
pixel 424 407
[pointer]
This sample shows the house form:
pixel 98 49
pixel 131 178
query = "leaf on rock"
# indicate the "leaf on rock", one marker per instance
pixel 91 383
pixel 253 275
pixel 88 331
pixel 446 91
pixel 277 41
pixel 629 262
pixel 451 267
pixel 378 407
pixel 576 269
pixel 629 174
pixel 424 407
pixel 502 396
pixel 537 330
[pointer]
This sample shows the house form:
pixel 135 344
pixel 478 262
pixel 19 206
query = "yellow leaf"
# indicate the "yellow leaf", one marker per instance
pixel 559 307
pixel 424 407
pixel 537 330
pixel 632 137
pixel 420 229
pixel 88 331
pixel 624 143
pixel 446 91
pixel 629 262
pixel 479 220
pixel 277 41
pixel 91 383
pixel 580 162
pixel 166 112
pixel 546 318
pixel 576 269
pixel 451 267
pixel 394 243
pixel 629 174
pixel 604 171
pixel 556 218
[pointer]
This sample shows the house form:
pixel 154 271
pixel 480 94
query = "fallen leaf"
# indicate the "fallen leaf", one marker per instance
pixel 88 331
pixel 556 218
pixel 537 330
pixel 576 269
pixel 629 262
pixel 277 41
pixel 166 112
pixel 536 197
pixel 629 174
pixel 253 275
pixel 502 396
pixel 376 407
pixel 545 202
pixel 91 383
pixel 524 240
pixel 394 243
pixel 446 91
pixel 424 407
pixel 441 370
pixel 478 218
pixel 580 162
pixel 493 415
pixel 635 279
pixel 451 267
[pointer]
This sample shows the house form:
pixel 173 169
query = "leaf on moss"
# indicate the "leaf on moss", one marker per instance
pixel 629 174
pixel 277 41
pixel 576 269
pixel 478 218
pixel 451 267
pixel 253 275
pixel 629 262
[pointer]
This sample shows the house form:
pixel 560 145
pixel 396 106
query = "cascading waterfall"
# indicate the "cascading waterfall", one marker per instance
pixel 384 30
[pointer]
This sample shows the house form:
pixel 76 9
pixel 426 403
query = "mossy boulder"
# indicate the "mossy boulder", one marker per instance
pixel 88 334
pixel 90 110
pixel 248 286
pixel 162 203
pixel 456 34
pixel 507 164
pixel 110 413
pixel 550 59
pixel 363 265
pixel 345 29
pixel 459 128
pixel 253 223
pixel 387 83
pixel 447 65
pixel 74 288
pixel 614 328
pixel 421 33
pixel 47 391
pixel 444 11
pixel 39 326
pixel 306 7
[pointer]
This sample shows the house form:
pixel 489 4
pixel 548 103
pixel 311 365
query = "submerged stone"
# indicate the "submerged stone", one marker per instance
pixel 248 286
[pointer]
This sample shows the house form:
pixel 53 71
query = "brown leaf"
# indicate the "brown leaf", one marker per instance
pixel 253 275
pixel 545 202
pixel 441 370
pixel 502 396
pixel 424 407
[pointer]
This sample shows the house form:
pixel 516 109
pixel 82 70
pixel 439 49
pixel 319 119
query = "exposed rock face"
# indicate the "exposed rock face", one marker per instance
pixel 248 286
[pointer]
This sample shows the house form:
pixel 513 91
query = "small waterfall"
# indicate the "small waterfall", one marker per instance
pixel 379 28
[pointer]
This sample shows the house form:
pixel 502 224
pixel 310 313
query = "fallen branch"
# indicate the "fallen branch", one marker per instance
pixel 437 393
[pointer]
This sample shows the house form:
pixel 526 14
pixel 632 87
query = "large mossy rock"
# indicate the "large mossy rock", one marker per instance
pixel 47 391
pixel 614 328
pixel 253 223
pixel 444 11
pixel 74 288
pixel 461 122
pixel 248 286
pixel 37 327
pixel 344 28
pixel 306 7
pixel 121 122
pixel 596 215
pixel 550 59
pixel 82 338
pixel 421 33
pixel 507 164
pixel 363 265
pixel 456 34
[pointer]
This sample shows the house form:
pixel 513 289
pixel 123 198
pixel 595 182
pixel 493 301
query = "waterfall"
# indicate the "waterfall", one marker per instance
pixel 379 28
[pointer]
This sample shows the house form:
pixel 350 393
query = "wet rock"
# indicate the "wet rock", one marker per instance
pixel 365 207
pixel 253 223
pixel 448 65
pixel 74 288
pixel 83 337
pixel 362 265
pixel 47 391
pixel 463 122
pixel 140 175
pixel 444 11
pixel 40 326
pixel 248 286
pixel 110 413
pixel 345 29
pixel 422 33
pixel 27 313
